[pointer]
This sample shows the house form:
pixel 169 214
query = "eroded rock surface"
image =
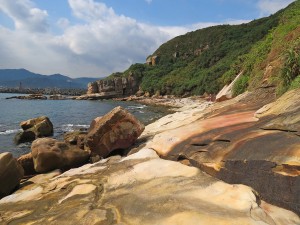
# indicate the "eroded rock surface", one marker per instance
pixel 238 144
pixel 139 189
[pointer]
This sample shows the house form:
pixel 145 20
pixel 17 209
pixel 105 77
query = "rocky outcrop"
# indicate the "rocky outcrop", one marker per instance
pixel 34 128
pixel 152 60
pixel 30 97
pixel 11 174
pixel 227 141
pixel 116 130
pixel 114 87
pixel 138 189
pixel 227 91
pixel 49 154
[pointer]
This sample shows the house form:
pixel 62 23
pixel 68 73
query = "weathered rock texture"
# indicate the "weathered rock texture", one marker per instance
pixel 49 154
pixel 139 189
pixel 227 141
pixel 116 130
pixel 10 174
pixel 114 87
pixel 34 128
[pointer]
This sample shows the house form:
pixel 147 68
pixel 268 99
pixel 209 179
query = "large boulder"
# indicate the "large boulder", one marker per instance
pixel 34 128
pixel 116 130
pixel 10 174
pixel 49 154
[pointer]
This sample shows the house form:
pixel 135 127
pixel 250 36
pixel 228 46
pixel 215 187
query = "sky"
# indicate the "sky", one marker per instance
pixel 94 38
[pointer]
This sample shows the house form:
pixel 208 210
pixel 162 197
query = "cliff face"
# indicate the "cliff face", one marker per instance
pixel 114 87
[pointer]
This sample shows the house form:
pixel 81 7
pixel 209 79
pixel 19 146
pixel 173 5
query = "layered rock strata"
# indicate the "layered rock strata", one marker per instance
pixel 227 141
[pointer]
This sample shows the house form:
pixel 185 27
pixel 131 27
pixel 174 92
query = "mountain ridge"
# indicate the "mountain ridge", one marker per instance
pixel 12 78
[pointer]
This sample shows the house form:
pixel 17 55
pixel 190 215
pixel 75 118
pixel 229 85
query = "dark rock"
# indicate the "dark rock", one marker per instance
pixel 11 174
pixel 26 161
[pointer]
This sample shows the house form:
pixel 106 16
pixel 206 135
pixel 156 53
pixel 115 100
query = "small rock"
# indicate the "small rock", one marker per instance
pixel 34 128
pixel 11 174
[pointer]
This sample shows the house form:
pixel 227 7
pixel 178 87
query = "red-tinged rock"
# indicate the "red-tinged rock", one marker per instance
pixel 116 130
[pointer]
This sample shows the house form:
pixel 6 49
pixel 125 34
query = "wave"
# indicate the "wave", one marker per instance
pixel 7 132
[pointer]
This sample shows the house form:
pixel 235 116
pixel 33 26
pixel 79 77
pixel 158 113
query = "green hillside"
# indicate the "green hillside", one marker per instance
pixel 266 50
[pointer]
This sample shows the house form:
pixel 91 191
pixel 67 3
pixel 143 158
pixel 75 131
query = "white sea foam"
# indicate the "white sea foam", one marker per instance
pixel 72 127
pixel 7 132
pixel 136 107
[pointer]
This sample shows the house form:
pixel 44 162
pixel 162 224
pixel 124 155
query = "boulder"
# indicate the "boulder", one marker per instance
pixel 11 174
pixel 227 92
pixel 26 161
pixel 34 128
pixel 116 130
pixel 49 154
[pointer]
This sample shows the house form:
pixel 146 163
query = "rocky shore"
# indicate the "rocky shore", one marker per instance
pixel 231 162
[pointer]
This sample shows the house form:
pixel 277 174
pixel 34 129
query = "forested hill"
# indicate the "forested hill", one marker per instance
pixel 207 59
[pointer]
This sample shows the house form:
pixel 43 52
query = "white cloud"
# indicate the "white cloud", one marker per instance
pixel 63 23
pixel 149 1
pixel 25 15
pixel 268 7
pixel 102 43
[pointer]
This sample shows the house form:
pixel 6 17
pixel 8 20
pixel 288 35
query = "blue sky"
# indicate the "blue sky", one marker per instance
pixel 95 38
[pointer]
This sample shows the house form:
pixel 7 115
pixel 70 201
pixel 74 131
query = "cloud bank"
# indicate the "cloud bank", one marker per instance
pixel 103 42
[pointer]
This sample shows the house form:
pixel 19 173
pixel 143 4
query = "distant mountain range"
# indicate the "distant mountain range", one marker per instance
pixel 12 78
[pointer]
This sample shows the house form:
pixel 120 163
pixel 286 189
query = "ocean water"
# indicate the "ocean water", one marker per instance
pixel 66 115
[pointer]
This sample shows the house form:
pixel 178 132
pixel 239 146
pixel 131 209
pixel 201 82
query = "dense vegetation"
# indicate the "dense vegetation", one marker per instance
pixel 207 59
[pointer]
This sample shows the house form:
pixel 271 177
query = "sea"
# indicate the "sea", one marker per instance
pixel 66 116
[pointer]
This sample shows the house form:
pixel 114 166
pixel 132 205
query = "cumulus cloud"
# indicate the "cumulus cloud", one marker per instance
pixel 104 42
pixel 268 7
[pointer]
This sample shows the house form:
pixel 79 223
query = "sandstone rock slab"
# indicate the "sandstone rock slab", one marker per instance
pixel 128 192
